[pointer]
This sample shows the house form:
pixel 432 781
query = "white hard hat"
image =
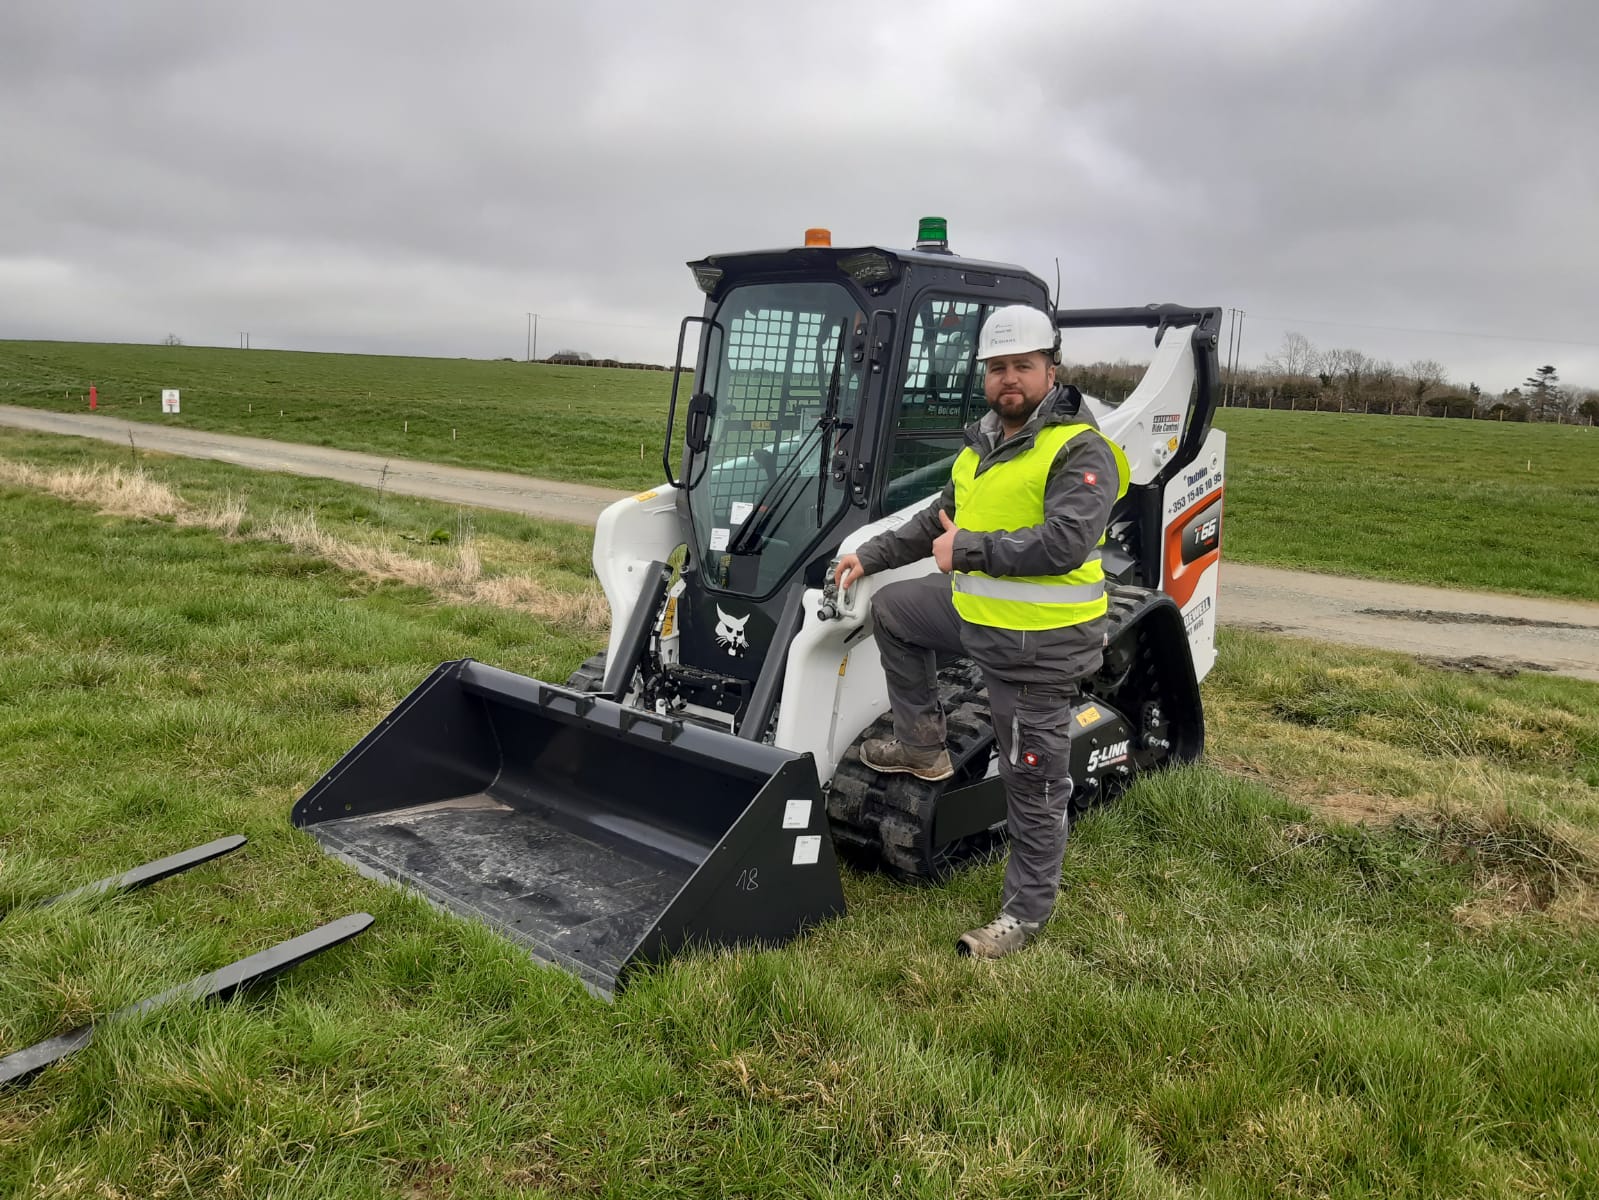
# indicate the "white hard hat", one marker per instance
pixel 1016 329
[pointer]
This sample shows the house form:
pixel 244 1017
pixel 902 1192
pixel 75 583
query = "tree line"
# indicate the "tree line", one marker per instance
pixel 1300 376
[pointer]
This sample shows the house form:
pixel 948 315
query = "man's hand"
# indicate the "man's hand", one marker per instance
pixel 849 569
pixel 944 544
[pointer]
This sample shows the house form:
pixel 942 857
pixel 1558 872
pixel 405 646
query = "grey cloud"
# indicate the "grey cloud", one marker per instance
pixel 408 176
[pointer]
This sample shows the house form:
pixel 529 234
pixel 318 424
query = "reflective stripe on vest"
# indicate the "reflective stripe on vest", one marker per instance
pixel 975 584
pixel 1010 495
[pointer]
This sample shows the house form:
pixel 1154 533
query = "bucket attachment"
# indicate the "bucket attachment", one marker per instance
pixel 599 836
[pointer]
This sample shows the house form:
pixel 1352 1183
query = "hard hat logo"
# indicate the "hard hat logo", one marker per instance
pixel 1017 329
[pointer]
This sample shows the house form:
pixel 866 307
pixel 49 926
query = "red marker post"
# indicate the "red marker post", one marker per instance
pixel 94 398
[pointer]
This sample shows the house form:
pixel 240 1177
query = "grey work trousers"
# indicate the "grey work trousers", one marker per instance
pixel 1031 690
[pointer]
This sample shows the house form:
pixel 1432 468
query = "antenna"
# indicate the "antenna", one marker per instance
pixel 1055 303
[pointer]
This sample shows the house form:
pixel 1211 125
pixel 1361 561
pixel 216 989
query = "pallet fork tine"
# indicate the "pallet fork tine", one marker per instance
pixel 219 985
pixel 151 872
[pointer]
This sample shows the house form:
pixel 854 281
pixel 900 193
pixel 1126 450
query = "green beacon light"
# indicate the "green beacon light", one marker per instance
pixel 932 234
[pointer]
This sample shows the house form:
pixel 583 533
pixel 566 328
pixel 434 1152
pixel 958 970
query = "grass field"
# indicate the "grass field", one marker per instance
pixel 1474 504
pixel 575 423
pixel 1243 994
pixel 1455 503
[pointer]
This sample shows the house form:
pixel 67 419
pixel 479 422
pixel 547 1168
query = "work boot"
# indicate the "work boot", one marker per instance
pixel 890 754
pixel 1001 936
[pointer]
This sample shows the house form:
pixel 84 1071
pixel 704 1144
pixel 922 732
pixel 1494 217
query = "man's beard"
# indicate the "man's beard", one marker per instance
pixel 1021 408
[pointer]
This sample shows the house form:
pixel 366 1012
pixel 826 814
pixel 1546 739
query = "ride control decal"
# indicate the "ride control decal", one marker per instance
pixel 1163 423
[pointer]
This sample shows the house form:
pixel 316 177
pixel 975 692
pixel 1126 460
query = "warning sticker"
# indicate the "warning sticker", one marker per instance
pixel 807 850
pixel 719 538
pixel 796 814
pixel 1088 716
pixel 740 512
pixel 643 496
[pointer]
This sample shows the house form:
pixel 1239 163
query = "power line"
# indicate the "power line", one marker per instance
pixel 1498 337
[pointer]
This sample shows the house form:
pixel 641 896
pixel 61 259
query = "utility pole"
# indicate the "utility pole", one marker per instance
pixel 1235 340
pixel 1227 389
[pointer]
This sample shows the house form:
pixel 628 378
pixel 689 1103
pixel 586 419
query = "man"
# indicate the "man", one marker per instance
pixel 1016 535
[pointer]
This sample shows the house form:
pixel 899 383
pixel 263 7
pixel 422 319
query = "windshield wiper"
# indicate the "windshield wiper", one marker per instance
pixel 828 423
pixel 766 503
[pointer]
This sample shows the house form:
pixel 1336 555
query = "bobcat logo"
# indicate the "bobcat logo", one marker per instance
pixel 730 633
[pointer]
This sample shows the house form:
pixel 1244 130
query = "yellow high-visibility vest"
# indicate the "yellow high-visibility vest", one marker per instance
pixel 1010 495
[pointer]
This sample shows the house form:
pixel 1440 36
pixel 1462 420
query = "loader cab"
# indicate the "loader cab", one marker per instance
pixel 830 387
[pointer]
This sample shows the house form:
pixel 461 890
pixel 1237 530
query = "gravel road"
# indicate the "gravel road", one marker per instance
pixel 1477 631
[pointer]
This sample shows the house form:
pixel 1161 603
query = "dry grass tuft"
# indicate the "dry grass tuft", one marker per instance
pixel 459 579
pixel 1520 865
pixel 113 491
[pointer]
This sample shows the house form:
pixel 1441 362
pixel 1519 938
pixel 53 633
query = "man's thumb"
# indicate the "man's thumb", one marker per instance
pixel 944 517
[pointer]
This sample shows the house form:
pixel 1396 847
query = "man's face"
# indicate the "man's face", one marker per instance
pixel 1017 383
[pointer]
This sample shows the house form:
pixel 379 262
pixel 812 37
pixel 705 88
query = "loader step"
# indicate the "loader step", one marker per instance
pixel 893 821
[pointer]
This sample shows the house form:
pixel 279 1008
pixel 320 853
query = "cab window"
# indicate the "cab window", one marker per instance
pixel 941 379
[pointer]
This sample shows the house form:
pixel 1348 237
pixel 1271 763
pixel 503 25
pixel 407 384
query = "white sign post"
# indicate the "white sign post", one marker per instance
pixel 169 400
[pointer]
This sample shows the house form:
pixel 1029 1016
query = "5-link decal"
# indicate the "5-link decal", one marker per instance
pixel 1106 756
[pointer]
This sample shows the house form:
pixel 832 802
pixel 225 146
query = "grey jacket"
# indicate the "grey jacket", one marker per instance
pixel 1078 496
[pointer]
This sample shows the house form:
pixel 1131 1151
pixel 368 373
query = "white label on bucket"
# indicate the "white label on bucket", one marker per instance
pixel 741 512
pixel 807 850
pixel 719 538
pixel 797 814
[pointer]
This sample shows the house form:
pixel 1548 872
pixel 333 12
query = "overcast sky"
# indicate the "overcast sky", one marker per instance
pixel 409 177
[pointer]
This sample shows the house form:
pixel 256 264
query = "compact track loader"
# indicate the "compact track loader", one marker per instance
pixel 689 786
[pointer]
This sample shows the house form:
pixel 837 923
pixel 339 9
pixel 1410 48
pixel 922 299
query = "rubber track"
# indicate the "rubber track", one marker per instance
pixel 590 674
pixel 888 819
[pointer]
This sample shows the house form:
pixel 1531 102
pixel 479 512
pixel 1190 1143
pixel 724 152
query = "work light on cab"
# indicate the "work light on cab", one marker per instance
pixel 932 235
